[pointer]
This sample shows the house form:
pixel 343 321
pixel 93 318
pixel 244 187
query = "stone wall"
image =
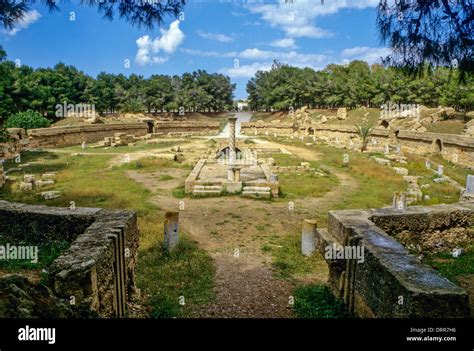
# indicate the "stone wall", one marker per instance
pixel 98 269
pixel 390 282
pixel 452 147
pixel 19 140
pixel 74 135
pixel 187 128
pixel 2 175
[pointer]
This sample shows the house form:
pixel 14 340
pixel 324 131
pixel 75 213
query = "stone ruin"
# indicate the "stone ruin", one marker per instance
pixel 387 281
pixel 227 173
pixel 18 141
pixel 94 276
pixel 119 139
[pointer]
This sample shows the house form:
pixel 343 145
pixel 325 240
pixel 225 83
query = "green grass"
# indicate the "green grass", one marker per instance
pixel 139 146
pixel 451 267
pixel 305 184
pixel 287 260
pixel 166 277
pixel 452 170
pixel 179 192
pixel 316 301
pixel 286 160
pixel 47 253
pixel 358 117
pixel 375 184
pixel 446 127
pixel 165 177
pixel 89 181
pixel 438 192
pixel 298 184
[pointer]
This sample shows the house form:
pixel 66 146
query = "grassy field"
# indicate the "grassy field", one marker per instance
pixel 376 184
pixel 451 267
pixel 298 184
pixel 446 127
pixel 138 146
pixel 437 192
pixel 316 301
pixel 90 182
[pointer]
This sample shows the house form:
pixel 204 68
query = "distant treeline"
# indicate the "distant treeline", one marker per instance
pixel 24 88
pixel 356 84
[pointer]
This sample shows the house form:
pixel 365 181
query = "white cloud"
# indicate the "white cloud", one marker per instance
pixel 246 71
pixel 284 43
pixel 222 38
pixel 263 58
pixel 208 53
pixel 297 18
pixel 256 54
pixel 291 57
pixel 168 42
pixel 30 17
pixel 365 53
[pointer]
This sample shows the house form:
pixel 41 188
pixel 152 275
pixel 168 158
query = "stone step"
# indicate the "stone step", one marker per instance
pixel 208 187
pixel 257 188
pixel 198 192
pixel 256 194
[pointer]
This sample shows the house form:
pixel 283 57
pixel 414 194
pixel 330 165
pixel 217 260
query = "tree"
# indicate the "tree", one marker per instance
pixel 364 132
pixel 27 120
pixel 436 31
pixel 140 13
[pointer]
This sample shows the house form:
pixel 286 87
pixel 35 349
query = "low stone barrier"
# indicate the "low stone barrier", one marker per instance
pixel 97 271
pixel 75 135
pixel 376 276
pixel 187 128
pixel 452 147
pixel 18 141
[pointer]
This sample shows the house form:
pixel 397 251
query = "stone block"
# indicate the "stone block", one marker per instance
pixel 26 186
pixel 308 237
pixel 171 230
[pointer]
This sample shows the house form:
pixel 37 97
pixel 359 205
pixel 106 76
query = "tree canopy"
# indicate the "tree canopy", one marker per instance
pixel 24 88
pixel 147 13
pixel 356 84
pixel 439 32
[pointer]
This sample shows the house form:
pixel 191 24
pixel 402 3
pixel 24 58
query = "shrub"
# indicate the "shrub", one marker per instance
pixel 364 132
pixel 27 120
pixel 4 135
pixel 316 301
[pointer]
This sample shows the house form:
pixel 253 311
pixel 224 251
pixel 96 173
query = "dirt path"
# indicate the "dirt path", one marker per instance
pixel 233 231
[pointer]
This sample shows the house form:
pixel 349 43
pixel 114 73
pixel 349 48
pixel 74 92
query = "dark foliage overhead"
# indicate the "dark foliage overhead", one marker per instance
pixel 438 32
pixel 147 13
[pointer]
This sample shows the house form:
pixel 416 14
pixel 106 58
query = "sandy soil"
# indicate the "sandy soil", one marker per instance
pixel 233 230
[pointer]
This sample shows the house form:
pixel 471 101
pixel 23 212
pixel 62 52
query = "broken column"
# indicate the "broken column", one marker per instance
pixel 236 174
pixel 232 149
pixel 399 201
pixel 468 194
pixel 171 230
pixel 308 237
pixel 2 174
pixel 440 170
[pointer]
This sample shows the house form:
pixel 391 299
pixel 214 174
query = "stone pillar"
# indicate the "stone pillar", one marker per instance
pixel 236 174
pixel 171 230
pixel 308 237
pixel 2 174
pixel 399 201
pixel 468 194
pixel 230 173
pixel 232 146
pixel 470 184
pixel 440 170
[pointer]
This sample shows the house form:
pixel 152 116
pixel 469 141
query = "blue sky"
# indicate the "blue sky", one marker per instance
pixel 233 37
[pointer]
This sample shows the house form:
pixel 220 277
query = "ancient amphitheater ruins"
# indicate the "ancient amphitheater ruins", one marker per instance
pixel 98 267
